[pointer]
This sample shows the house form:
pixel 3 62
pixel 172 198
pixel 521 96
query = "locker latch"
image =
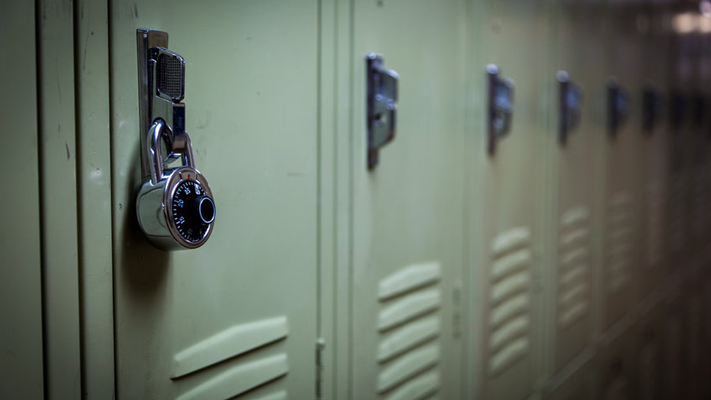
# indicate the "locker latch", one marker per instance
pixel 174 205
pixel 618 106
pixel 381 96
pixel 500 105
pixel 570 104
pixel 652 103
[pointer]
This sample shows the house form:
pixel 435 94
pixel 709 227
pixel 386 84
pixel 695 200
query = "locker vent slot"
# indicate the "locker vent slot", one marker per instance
pixel 654 225
pixel 276 396
pixel 409 324
pixel 240 379
pixel 419 388
pixel 574 266
pixel 509 296
pixel 229 343
pixel 225 347
pixel 677 207
pixel 620 241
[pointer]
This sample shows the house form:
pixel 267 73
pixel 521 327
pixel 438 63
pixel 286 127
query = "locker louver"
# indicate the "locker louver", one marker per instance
pixel 224 347
pixel 409 324
pixel 574 266
pixel 509 298
pixel 621 240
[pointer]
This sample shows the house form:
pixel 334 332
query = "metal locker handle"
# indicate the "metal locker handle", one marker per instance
pixel 652 105
pixel 382 109
pixel 570 104
pixel 500 101
pixel 618 106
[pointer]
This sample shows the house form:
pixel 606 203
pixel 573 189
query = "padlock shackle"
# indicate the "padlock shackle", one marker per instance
pixel 158 130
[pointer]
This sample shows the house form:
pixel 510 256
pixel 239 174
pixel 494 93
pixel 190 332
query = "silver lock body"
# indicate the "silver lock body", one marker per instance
pixel 174 206
pixel 156 214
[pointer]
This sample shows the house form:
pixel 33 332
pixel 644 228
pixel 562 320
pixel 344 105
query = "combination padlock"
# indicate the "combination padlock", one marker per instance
pixel 174 206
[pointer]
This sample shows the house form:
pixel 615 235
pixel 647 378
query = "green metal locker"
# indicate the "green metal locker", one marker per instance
pixel 622 202
pixel 399 213
pixel 505 179
pixel 238 315
pixel 575 179
pixel 406 266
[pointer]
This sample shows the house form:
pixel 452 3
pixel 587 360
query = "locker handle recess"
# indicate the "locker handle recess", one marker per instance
pixel 618 106
pixel 500 104
pixel 382 98
pixel 570 104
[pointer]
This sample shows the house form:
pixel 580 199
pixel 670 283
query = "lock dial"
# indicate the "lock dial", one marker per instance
pixel 193 210
pixel 189 207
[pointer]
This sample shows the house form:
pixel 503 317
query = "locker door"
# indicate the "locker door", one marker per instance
pixel 700 139
pixel 622 201
pixel 21 347
pixel 506 186
pixel 407 211
pixel 684 73
pixel 654 45
pixel 576 180
pixel 236 317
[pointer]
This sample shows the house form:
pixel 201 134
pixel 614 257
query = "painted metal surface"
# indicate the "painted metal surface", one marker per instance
pixel 94 196
pixel 59 204
pixel 21 362
pixel 200 323
pixel 406 212
pixel 621 215
pixel 504 188
pixel 328 280
pixel 575 170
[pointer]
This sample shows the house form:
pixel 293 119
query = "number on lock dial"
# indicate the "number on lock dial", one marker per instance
pixel 193 211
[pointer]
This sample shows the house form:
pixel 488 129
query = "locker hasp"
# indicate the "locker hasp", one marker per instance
pixel 618 106
pixel 570 103
pixel 174 206
pixel 500 104
pixel 382 86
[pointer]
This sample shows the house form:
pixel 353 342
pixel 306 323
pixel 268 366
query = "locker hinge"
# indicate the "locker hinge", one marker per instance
pixel 320 346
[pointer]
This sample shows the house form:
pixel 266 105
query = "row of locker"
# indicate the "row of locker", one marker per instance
pixel 451 269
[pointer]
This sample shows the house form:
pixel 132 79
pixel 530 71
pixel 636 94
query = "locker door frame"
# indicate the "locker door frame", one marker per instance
pixel 21 342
